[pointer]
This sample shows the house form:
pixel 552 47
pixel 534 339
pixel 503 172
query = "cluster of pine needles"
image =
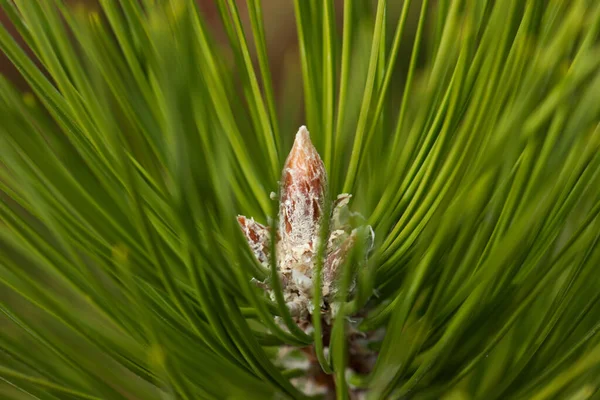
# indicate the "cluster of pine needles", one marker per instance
pixel 467 132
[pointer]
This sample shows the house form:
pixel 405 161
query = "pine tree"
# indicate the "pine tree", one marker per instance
pixel 166 233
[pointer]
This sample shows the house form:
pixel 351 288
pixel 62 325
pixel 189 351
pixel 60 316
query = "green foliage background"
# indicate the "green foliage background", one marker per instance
pixel 123 273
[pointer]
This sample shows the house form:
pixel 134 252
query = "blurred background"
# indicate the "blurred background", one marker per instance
pixel 281 37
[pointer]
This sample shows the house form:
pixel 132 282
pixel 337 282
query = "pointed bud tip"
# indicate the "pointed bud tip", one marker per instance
pixel 302 138
pixel 303 149
pixel 303 132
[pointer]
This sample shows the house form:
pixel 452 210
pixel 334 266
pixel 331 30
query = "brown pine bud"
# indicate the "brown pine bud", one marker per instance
pixel 302 193
pixel 258 238
pixel 301 209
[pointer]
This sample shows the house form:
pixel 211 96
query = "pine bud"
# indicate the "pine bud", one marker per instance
pixel 301 213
